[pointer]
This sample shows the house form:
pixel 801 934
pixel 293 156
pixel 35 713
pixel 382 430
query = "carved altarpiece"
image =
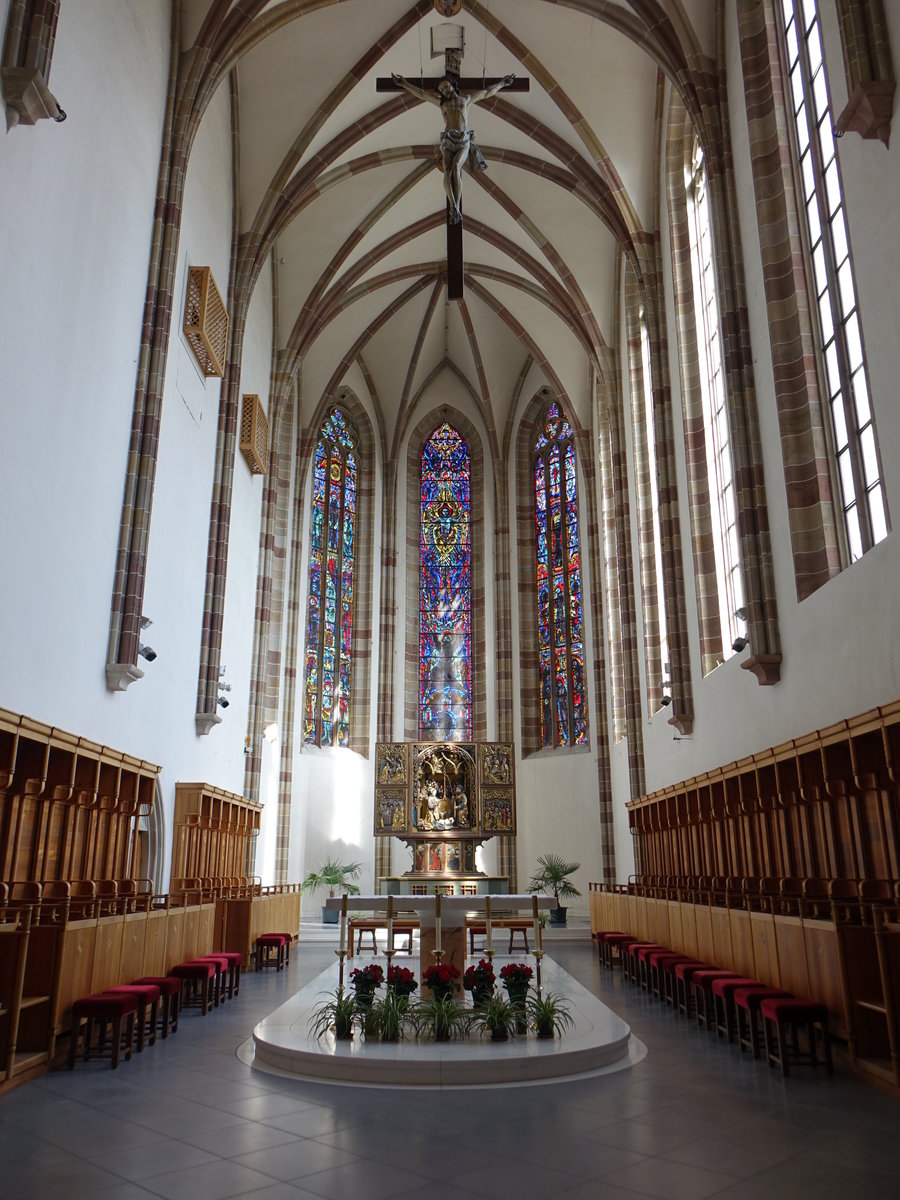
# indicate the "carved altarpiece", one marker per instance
pixel 443 799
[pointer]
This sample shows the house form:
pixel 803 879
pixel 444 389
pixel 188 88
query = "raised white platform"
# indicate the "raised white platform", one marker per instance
pixel 600 1040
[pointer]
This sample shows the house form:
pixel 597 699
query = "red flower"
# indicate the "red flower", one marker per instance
pixel 440 975
pixel 515 973
pixel 479 976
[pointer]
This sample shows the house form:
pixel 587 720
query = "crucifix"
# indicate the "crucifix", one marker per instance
pixel 454 96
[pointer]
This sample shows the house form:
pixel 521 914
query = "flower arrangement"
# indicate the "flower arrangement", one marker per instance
pixel 480 979
pixel 402 980
pixel 516 974
pixel 441 977
pixel 366 980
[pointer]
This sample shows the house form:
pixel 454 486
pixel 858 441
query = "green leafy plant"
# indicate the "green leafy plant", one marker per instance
pixel 337 1014
pixel 334 875
pixel 497 1015
pixel 551 876
pixel 387 1017
pixel 548 1015
pixel 440 1018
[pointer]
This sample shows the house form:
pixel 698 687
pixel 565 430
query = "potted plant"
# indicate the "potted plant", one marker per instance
pixel 337 1015
pixel 442 978
pixel 479 980
pixel 336 876
pixel 386 1017
pixel 440 1017
pixel 516 977
pixel 365 981
pixel 402 983
pixel 552 877
pixel 548 1015
pixel 498 1016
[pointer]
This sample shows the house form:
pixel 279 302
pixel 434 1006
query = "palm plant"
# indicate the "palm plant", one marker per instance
pixel 552 877
pixel 334 875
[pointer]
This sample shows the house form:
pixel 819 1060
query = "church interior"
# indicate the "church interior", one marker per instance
pixel 439 435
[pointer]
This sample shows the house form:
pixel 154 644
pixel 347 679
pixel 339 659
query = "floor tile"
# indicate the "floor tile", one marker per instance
pixel 671 1180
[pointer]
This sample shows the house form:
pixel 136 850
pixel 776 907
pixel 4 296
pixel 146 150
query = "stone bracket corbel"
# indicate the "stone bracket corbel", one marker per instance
pixel 766 668
pixel 28 99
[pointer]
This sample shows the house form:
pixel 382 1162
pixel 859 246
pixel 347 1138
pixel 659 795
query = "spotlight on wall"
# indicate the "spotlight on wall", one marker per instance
pixel 146 622
pixel 740 614
pixel 740 643
pixel 224 687
pixel 666 701
pixel 223 702
pixel 147 652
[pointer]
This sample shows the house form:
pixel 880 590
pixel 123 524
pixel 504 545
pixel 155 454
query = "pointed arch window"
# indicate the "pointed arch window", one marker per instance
pixel 329 626
pixel 445 589
pixel 558 573
pixel 855 445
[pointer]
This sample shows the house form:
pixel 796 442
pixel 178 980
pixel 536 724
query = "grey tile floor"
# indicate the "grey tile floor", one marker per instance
pixel 187 1120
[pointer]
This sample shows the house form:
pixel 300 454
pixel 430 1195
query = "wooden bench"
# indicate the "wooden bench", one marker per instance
pixel 513 924
pixel 360 926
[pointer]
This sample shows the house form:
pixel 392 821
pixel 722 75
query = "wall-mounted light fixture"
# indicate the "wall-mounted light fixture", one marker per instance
pixel 740 643
pixel 146 652
pixel 223 702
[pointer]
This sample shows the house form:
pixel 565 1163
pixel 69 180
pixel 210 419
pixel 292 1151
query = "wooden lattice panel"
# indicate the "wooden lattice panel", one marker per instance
pixel 254 443
pixel 205 321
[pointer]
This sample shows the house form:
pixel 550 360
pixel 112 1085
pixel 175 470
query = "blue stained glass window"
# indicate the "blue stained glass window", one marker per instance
pixel 445 590
pixel 558 572
pixel 329 622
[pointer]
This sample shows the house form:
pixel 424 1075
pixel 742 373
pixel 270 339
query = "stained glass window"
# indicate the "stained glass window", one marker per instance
pixel 445 590
pixel 558 561
pixel 326 715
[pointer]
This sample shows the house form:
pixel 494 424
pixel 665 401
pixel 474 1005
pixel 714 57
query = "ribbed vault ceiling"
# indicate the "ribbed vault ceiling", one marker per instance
pixel 342 184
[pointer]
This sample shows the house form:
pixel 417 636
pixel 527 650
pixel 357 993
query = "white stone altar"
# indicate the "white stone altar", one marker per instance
pixel 442 919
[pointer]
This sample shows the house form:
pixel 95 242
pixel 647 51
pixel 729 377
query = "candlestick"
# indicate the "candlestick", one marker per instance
pixel 488 939
pixel 390 925
pixel 538 940
pixel 539 954
pixel 342 954
pixel 437 924
pixel 344 921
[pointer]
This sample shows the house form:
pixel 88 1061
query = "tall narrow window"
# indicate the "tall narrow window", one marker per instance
pixel 558 563
pixel 715 417
pixel 853 428
pixel 326 717
pixel 445 590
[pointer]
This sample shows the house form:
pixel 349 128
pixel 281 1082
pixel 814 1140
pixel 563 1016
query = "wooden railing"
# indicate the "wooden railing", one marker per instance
pixel 823 806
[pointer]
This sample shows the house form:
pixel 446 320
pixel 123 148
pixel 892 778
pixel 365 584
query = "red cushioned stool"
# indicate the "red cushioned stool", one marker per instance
pixel 235 959
pixel 701 982
pixel 684 973
pixel 633 961
pixel 169 990
pixel 147 998
pixel 220 962
pixel 786 1015
pixel 198 981
pixel 669 980
pixel 266 943
pixel 656 964
pixel 100 1011
pixel 609 946
pixel 643 962
pixel 723 1002
pixel 288 941
pixel 746 1009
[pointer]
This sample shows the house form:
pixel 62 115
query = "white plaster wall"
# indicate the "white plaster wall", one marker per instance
pixel 841 645
pixel 76 209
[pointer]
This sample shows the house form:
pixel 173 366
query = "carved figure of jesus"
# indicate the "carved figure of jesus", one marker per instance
pixel 457 139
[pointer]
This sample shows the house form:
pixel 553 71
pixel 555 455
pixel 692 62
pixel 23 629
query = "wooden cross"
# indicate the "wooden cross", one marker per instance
pixel 464 86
